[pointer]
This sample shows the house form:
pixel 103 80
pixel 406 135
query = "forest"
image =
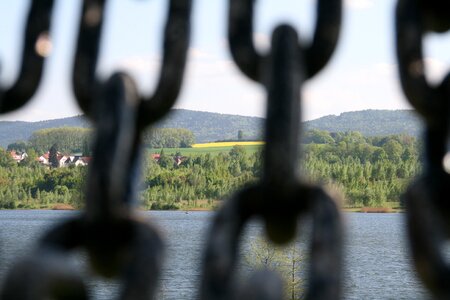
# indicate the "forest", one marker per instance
pixel 77 140
pixel 368 172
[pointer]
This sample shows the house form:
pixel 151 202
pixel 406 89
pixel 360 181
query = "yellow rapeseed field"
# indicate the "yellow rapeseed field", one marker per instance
pixel 227 144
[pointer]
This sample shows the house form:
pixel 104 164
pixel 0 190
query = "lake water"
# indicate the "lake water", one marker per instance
pixel 376 265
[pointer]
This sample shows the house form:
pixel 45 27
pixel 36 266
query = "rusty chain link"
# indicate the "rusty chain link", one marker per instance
pixel 428 208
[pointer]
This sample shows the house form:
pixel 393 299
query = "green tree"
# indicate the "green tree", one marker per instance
pixel 288 261
pixel 69 139
pixel 6 160
pixel 169 138
pixel 378 155
pixel 30 160
pixel 394 150
pixel 237 152
pixel 53 156
pixel 317 137
pixel 240 135
pixel 21 146
pixel 86 149
pixel 165 161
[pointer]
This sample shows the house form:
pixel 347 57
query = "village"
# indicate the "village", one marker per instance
pixel 62 160
pixel 77 159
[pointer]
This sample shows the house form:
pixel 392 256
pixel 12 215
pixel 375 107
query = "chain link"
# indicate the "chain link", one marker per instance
pixel 121 245
pixel 281 197
pixel 117 242
pixel 37 28
pixel 428 209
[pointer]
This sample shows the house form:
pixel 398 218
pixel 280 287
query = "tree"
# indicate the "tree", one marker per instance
pixel 168 138
pixel 5 159
pixel 20 146
pixel 240 135
pixel 165 161
pixel 69 139
pixel 237 152
pixel 31 159
pixel 378 155
pixel 393 150
pixel 86 151
pixel 317 137
pixel 287 261
pixel 53 156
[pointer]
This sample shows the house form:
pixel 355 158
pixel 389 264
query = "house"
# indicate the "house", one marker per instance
pixel 177 159
pixel 65 160
pixel 81 160
pixel 76 160
pixel 18 156
pixel 44 158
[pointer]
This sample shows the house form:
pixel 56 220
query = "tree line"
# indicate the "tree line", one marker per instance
pixel 369 171
pixel 77 140
pixel 168 138
pixel 30 185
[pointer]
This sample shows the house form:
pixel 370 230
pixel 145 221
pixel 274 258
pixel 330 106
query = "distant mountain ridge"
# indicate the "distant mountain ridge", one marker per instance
pixel 370 122
pixel 208 126
pixel 12 131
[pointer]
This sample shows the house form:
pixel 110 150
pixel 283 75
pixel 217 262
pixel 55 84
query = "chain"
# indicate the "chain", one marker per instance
pixel 428 209
pixel 117 242
pixel 121 245
pixel 281 197
pixel 36 30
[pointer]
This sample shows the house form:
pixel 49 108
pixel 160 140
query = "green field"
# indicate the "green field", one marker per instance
pixel 211 150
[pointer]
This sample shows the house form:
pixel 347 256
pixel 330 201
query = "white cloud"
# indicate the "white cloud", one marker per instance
pixel 338 90
pixel 262 41
pixel 197 53
pixel 211 83
pixel 359 4
pixel 435 69
pixel 385 69
pixel 216 84
pixel 148 63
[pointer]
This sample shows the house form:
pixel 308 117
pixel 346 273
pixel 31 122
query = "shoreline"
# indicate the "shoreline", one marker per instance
pixel 68 207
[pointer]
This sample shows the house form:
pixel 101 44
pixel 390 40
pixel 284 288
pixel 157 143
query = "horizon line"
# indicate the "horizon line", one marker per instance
pixel 212 112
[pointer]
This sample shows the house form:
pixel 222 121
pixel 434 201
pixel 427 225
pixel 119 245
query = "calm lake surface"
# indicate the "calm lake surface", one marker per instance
pixel 376 265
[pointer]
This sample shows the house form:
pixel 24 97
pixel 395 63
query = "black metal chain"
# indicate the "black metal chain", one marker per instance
pixel 37 29
pixel 117 242
pixel 428 208
pixel 121 245
pixel 280 198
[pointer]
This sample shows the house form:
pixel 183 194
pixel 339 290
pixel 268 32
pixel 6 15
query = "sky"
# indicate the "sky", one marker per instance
pixel 361 75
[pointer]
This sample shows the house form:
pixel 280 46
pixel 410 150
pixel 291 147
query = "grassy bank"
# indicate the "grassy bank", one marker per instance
pixel 211 205
pixel 382 210
pixel 192 205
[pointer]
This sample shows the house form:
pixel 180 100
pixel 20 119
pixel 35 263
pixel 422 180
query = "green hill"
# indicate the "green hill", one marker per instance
pixel 12 131
pixel 370 122
pixel 206 126
pixel 209 127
